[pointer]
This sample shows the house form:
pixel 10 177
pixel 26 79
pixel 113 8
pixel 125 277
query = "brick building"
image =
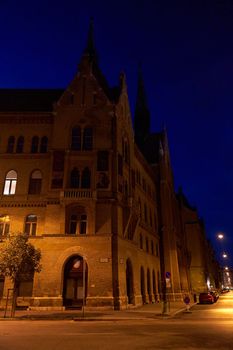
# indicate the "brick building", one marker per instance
pixel 94 195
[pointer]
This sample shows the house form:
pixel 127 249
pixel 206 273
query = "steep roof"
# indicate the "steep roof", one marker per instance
pixel 22 100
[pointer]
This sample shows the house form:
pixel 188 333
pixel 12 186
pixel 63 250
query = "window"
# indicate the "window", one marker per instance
pixel 125 150
pixel 11 144
pixel 102 161
pixel 83 225
pixel 157 249
pixel 141 241
pixel 73 224
pixel 44 145
pixel 120 165
pixel 77 222
pixel 147 245
pixel 20 144
pixel 76 139
pixel 74 178
pixel 35 144
pixel 1 286
pixel 86 178
pixel 87 139
pixel 145 213
pixel 35 182
pixel 152 247
pixel 30 225
pixel 4 225
pixel 151 223
pixel 10 183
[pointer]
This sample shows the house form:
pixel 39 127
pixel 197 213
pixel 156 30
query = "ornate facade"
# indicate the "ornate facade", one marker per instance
pixel 101 208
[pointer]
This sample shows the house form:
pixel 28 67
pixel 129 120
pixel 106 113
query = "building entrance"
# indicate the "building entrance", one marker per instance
pixel 75 282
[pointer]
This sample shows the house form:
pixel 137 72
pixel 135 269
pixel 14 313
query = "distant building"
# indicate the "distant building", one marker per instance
pixel 101 207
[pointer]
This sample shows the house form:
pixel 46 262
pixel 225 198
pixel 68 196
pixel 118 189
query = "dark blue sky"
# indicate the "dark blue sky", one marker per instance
pixel 186 48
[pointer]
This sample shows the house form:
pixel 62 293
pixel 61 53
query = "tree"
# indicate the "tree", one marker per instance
pixel 19 260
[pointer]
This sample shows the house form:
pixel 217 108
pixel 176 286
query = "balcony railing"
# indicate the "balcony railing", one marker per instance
pixel 77 194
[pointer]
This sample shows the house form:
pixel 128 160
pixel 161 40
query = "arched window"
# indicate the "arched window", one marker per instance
pixel 86 178
pixel 44 144
pixel 74 178
pixel 10 144
pixel 35 144
pixel 30 225
pixel 35 182
pixel 76 221
pixel 76 139
pixel 87 139
pixel 10 183
pixel 20 144
pixel 4 225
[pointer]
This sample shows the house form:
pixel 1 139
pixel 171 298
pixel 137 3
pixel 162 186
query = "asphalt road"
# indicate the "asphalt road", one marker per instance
pixel 206 327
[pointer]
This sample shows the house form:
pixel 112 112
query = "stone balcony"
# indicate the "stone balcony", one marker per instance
pixel 79 194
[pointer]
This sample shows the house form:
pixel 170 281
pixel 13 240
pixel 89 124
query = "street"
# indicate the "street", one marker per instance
pixel 206 327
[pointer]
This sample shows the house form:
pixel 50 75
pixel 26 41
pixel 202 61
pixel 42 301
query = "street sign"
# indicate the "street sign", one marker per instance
pixel 168 274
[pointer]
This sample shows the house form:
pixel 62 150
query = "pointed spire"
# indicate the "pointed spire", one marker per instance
pixel 142 114
pixel 90 48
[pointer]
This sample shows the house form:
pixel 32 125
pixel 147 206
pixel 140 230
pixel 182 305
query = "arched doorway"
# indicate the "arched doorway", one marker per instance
pixel 129 282
pixel 143 286
pixel 75 282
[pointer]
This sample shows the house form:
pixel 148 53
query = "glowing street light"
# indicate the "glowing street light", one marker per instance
pixel 220 235
pixel 224 255
pixel 226 268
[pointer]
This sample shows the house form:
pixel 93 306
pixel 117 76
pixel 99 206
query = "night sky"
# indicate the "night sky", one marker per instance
pixel 186 50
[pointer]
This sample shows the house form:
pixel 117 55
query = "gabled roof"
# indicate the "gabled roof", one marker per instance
pixel 23 100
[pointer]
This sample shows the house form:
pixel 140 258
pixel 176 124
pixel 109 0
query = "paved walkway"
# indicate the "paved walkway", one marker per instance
pixel 149 311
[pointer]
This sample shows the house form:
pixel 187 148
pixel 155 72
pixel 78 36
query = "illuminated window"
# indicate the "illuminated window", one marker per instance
pixel 20 144
pixel 35 144
pixel 30 225
pixel 44 144
pixel 10 144
pixel 86 178
pixel 76 139
pixel 35 182
pixel 4 225
pixel 10 183
pixel 74 178
pixel 87 139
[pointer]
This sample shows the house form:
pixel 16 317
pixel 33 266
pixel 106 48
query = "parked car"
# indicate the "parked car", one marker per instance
pixel 225 290
pixel 206 298
pixel 215 295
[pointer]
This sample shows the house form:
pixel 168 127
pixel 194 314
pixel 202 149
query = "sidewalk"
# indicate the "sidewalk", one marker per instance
pixel 149 311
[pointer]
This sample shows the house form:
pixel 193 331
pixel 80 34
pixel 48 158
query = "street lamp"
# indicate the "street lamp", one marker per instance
pixel 226 268
pixel 224 255
pixel 220 235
